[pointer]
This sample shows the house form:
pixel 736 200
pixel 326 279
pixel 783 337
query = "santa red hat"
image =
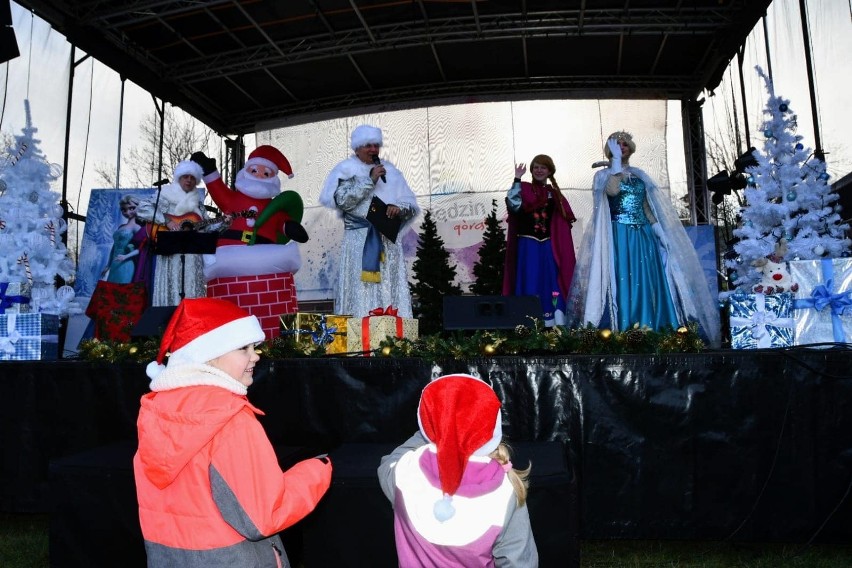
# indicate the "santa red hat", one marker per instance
pixel 202 329
pixel 188 167
pixel 271 157
pixel 460 415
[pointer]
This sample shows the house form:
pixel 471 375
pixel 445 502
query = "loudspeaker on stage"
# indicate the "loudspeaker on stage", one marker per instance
pixel 489 312
pixel 153 321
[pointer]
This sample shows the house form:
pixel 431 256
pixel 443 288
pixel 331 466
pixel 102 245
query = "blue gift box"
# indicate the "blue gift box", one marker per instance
pixel 761 321
pixel 29 337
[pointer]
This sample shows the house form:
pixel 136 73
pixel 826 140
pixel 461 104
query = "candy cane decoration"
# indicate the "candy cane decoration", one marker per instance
pixel 20 153
pixel 24 259
pixel 2 224
pixel 51 228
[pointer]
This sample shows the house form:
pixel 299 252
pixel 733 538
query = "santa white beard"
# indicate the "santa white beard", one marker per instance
pixel 256 187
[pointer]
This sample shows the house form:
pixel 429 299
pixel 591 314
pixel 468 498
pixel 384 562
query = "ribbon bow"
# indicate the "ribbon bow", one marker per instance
pixel 822 297
pixel 388 311
pixel 759 321
pixel 7 301
pixel 7 344
pixel 324 334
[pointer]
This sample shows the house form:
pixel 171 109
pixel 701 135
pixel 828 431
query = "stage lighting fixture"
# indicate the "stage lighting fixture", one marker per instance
pixel 720 186
pixel 746 160
pixel 738 181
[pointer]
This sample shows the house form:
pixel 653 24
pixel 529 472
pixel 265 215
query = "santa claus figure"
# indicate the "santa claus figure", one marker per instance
pixel 264 222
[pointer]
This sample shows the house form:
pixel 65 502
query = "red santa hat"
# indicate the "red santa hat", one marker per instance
pixel 271 157
pixel 461 415
pixel 202 329
pixel 188 167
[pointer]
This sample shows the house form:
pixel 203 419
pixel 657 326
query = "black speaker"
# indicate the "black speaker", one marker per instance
pixel 489 312
pixel 153 321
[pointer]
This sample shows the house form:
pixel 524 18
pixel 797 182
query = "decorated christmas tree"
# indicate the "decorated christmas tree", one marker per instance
pixel 32 254
pixel 789 204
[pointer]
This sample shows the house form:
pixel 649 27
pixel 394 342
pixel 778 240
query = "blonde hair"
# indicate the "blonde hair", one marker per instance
pixel 547 162
pixel 518 477
pixel 621 136
pixel 127 199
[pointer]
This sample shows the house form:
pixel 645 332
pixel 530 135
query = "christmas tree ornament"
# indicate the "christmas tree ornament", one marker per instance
pixel 791 195
pixel 750 179
pixel 819 250
pixel 488 349
pixel 386 351
pixel 824 176
pixel 800 146
pixel 605 334
pixel 783 107
pixel 767 133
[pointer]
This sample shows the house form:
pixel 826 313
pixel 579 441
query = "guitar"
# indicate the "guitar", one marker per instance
pixel 194 221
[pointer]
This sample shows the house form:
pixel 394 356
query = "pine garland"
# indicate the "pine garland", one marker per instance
pixel 534 339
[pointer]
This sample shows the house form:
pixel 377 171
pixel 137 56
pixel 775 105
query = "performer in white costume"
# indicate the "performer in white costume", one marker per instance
pixel 372 271
pixel 177 199
pixel 636 263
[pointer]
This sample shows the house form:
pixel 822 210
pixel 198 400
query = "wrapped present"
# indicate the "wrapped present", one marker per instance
pixel 822 307
pixel 320 329
pixel 365 334
pixel 29 337
pixel 116 308
pixel 15 297
pixel 761 321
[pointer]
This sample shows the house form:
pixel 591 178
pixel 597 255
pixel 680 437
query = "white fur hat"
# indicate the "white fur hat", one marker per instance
pixel 366 134
pixel 188 167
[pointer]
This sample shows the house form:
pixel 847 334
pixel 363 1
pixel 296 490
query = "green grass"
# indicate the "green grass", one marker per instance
pixel 23 541
pixel 686 554
pixel 24 544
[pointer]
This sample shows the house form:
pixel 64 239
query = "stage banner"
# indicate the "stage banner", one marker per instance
pixel 460 219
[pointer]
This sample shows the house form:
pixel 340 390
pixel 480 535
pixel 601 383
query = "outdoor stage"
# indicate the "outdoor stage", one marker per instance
pixel 752 445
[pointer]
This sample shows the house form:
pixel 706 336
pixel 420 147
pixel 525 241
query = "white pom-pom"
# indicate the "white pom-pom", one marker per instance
pixel 444 509
pixel 153 369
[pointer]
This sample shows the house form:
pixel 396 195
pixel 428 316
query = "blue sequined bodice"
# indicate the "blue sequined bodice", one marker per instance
pixel 627 207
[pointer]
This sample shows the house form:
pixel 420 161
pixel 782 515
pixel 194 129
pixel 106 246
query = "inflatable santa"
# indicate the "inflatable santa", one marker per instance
pixel 256 254
pixel 265 221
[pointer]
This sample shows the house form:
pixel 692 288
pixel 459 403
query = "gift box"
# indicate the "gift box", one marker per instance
pixel 15 297
pixel 761 321
pixel 822 307
pixel 116 308
pixel 365 334
pixel 29 337
pixel 325 329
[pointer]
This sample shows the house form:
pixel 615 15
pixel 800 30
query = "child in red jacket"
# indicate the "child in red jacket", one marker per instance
pixel 210 490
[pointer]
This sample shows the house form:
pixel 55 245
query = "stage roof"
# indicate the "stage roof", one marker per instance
pixel 235 64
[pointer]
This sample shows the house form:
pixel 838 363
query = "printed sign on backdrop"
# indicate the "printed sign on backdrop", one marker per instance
pixel 109 233
pixel 460 220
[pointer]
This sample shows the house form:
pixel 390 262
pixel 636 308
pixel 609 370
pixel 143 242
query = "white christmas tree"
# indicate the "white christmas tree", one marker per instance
pixel 788 200
pixel 31 226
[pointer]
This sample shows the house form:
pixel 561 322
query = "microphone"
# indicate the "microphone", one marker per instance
pixel 378 162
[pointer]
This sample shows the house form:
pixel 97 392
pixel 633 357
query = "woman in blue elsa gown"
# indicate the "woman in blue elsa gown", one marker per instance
pixel 636 264
pixel 122 258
